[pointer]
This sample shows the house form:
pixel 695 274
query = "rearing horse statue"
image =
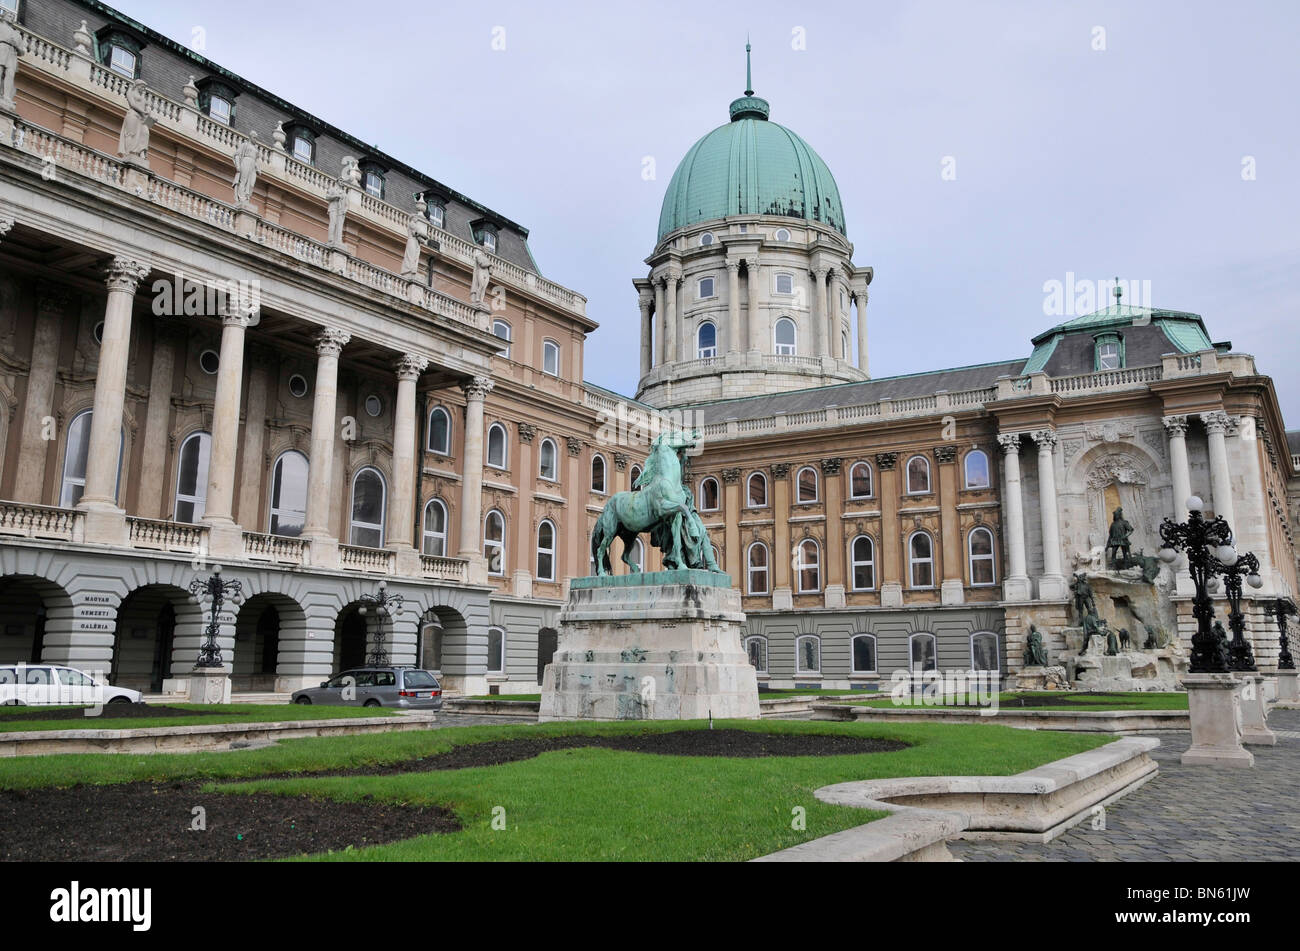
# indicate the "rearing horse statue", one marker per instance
pixel 662 506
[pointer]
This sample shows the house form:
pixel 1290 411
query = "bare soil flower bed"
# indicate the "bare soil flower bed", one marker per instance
pixel 111 711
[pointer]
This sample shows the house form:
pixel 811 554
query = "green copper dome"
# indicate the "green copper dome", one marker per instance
pixel 751 166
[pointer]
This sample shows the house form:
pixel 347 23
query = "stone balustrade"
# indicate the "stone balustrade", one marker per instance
pixel 41 521
pixel 279 549
pixel 454 570
pixel 154 534
pixel 67 65
pixel 374 560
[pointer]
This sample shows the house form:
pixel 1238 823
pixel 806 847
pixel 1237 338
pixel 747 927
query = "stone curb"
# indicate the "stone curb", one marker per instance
pixel 1072 721
pixel 1036 805
pixel 198 737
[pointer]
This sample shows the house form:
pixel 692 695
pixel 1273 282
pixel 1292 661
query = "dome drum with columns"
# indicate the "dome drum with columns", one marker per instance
pixel 752 286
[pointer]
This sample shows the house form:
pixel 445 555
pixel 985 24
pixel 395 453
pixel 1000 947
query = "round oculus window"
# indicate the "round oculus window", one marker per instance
pixel 298 385
pixel 209 361
pixel 374 405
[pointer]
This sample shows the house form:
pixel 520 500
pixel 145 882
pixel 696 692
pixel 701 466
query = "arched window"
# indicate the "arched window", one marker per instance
pixel 289 494
pixel 977 469
pixel 920 556
pixel 192 478
pixel 496 658
pixel 808 654
pixel 807 485
pixel 757 561
pixel 709 494
pixel 864 653
pixel 598 474
pixel 756 648
pixel 706 340
pixel 862 559
pixel 435 528
pixel 546 551
pixel 496 448
pixel 74 460
pixel 494 542
pixel 984 652
pixel 918 475
pixel 551 358
pixel 368 508
pixel 980 548
pixel 808 567
pixel 547 461
pixel 634 474
pixel 440 431
pixel 502 329
pixel 757 494
pixel 922 650
pixel 861 484
pixel 783 338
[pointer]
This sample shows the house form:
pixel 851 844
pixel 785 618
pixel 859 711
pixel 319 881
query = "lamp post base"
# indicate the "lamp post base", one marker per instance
pixel 1215 708
pixel 1254 725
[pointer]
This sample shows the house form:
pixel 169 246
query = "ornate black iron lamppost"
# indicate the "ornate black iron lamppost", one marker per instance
pixel 1203 541
pixel 216 591
pixel 1240 655
pixel 1280 610
pixel 382 605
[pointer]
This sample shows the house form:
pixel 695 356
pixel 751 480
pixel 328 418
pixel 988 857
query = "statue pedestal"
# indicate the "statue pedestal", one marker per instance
pixel 1288 689
pixel 1215 709
pixel 1254 726
pixel 663 645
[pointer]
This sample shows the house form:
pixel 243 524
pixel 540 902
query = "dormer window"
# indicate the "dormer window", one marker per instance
pixel 489 241
pixel 485 234
pixel 436 209
pixel 1109 352
pixel 119 50
pixel 217 100
pixel 372 179
pixel 302 142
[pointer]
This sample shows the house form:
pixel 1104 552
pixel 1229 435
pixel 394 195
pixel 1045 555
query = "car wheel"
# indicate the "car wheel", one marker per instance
pixel 371 703
pixel 120 700
pixel 305 700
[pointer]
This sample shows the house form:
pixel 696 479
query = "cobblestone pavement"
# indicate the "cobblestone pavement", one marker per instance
pixel 1187 813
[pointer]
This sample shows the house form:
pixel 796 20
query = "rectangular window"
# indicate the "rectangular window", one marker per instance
pixel 785 283
pixel 706 287
pixel 496 650
pixel 375 184
pixel 122 61
pixel 302 148
pixel 219 110
pixel 490 241
pixel 436 215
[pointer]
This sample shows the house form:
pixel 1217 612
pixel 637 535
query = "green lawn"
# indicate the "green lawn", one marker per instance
pixel 11 718
pixel 533 697
pixel 586 803
pixel 1130 701
pixel 813 692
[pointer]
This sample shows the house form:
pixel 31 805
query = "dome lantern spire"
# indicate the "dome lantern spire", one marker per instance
pixel 749 106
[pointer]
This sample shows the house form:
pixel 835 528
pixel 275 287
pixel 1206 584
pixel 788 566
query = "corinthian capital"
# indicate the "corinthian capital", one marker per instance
pixel 1010 443
pixel 477 388
pixel 409 366
pixel 1176 426
pixel 6 225
pixel 125 274
pixel 330 342
pixel 1218 422
pixel 1046 440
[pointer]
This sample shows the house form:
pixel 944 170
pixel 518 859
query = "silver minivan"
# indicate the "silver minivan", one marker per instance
pixel 407 688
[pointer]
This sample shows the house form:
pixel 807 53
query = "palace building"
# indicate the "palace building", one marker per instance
pixel 232 333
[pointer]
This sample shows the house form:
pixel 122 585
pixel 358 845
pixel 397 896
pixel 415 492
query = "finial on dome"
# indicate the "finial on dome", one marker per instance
pixel 749 81
pixel 749 106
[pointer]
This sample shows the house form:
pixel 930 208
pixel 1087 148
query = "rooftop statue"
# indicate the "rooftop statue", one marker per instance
pixel 662 506
pixel 245 171
pixel 133 143
pixel 12 46
pixel 482 274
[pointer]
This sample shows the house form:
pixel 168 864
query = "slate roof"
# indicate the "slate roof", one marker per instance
pixel 1293 441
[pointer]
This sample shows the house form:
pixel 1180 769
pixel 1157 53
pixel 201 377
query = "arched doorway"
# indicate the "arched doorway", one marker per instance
pixel 144 640
pixel 428 650
pixel 23 616
pixel 351 639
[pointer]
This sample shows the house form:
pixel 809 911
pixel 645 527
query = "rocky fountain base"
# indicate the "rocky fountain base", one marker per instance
pixel 1137 670
pixel 663 645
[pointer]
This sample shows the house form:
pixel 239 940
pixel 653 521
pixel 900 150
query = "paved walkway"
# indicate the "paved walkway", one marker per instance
pixel 1187 813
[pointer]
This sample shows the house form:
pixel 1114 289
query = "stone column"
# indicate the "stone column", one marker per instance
pixel 154 500
pixel 1217 425
pixel 782 588
pixel 225 539
pixel 661 312
pixel 819 323
pixel 834 342
pixel 834 558
pixel 676 335
pixel 753 291
pixel 861 300
pixel 1176 426
pixel 320 479
pixel 254 466
pixel 891 541
pixel 105 522
pixel 731 557
pixel 523 550
pixel 471 494
pixel 647 334
pixel 1016 587
pixel 401 505
pixel 1256 511
pixel 952 588
pixel 1052 585
pixel 733 307
pixel 38 404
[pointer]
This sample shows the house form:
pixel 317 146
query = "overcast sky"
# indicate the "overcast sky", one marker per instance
pixel 1171 156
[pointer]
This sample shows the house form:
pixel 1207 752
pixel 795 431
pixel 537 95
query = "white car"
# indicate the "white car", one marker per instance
pixel 42 684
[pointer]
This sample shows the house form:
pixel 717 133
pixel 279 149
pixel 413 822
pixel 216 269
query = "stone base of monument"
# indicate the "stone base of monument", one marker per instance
pixel 1042 678
pixel 662 645
pixel 1254 725
pixel 209 685
pixel 1215 709
pixel 1129 670
pixel 1288 686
